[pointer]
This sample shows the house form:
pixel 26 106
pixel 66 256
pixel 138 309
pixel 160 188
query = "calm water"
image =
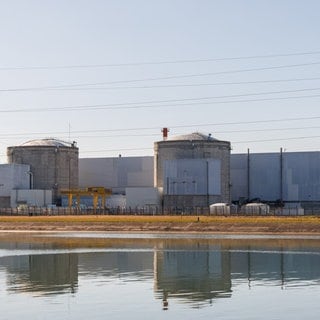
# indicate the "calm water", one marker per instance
pixel 112 276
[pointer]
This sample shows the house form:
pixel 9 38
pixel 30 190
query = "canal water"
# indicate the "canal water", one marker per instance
pixel 154 276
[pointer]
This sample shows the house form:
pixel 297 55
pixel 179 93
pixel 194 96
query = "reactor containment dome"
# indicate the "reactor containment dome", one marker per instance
pixel 192 170
pixel 54 164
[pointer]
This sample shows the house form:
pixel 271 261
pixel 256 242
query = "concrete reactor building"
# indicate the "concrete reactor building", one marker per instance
pixel 53 164
pixel 192 170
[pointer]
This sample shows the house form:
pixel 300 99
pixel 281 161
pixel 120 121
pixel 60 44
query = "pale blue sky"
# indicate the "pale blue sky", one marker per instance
pixel 109 47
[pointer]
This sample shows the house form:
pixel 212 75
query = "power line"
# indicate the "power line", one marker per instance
pixel 192 85
pixel 87 66
pixel 278 139
pixel 170 126
pixel 169 77
pixel 169 102
pixel 250 122
pixel 236 142
pixel 215 132
pixel 62 88
pixel 268 129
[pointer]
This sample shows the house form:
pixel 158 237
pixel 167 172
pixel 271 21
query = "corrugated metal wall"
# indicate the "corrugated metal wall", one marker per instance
pixel 293 176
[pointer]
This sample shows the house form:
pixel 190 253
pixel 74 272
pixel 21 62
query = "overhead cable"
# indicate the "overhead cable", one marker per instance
pixel 83 88
pixel 168 103
pixel 181 61
pixel 172 77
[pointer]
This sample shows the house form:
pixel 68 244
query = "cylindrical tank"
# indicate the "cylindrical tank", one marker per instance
pixel 54 164
pixel 193 170
pixel 256 209
pixel 220 209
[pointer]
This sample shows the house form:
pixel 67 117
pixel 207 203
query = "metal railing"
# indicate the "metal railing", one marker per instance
pixel 157 210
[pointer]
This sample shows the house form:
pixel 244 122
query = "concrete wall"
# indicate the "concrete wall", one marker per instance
pixel 116 173
pixel 13 176
pixel 189 201
pixel 4 202
pixel 53 168
pixel 140 197
pixel 116 201
pixel 39 198
pixel 192 177
pixel 172 150
pixel 200 154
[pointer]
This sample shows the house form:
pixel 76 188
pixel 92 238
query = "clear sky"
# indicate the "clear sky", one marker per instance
pixel 110 74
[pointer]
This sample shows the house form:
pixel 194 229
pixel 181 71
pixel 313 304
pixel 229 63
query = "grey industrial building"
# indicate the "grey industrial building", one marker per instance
pixel 117 173
pixel 192 171
pixel 289 177
pixel 12 177
pixel 53 164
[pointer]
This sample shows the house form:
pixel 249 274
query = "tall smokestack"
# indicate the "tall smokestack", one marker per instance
pixel 165 133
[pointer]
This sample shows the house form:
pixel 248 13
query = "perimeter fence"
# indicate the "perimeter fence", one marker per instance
pixel 157 210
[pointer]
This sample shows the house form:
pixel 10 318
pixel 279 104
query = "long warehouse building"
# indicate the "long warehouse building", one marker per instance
pixel 193 170
pixel 292 177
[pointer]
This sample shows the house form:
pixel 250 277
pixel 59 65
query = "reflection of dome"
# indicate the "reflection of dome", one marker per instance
pixel 195 136
pixel 48 142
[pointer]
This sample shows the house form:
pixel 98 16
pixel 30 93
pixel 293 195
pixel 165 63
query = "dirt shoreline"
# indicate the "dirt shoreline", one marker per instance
pixel 233 225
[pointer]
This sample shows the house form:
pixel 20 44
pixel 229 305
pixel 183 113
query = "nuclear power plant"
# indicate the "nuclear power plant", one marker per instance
pixel 54 164
pixel 193 170
pixel 188 173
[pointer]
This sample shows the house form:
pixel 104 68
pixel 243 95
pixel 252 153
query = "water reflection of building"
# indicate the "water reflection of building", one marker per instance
pixel 118 263
pixel 58 273
pixel 45 273
pixel 195 276
pixel 278 267
pixel 196 273
pixel 201 274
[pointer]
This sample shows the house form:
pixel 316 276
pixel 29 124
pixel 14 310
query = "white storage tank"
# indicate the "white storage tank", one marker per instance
pixel 256 209
pixel 220 209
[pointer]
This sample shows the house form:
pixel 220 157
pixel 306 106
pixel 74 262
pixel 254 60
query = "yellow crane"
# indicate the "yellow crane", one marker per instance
pixel 95 192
